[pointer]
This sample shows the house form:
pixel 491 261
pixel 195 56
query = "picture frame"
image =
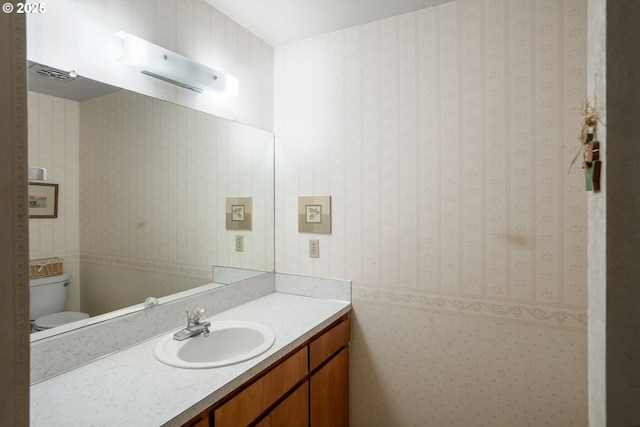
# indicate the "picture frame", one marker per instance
pixel 238 213
pixel 314 214
pixel 43 200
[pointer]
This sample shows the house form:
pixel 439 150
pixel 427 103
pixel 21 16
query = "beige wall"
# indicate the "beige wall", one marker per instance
pixel 155 178
pixel 444 137
pixel 54 144
pixel 14 250
pixel 140 214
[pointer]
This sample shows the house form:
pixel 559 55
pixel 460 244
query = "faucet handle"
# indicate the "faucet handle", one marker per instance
pixel 196 315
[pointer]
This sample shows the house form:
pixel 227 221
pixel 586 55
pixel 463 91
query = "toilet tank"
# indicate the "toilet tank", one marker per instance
pixel 48 295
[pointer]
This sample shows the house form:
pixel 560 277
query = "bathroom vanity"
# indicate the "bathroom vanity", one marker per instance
pixel 307 387
pixel 302 378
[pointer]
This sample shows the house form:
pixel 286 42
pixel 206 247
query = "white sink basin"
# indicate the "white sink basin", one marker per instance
pixel 229 342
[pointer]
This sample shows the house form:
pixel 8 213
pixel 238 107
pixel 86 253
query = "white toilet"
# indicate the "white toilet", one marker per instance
pixel 47 298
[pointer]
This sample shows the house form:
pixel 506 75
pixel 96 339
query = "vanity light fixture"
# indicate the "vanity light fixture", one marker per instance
pixel 168 66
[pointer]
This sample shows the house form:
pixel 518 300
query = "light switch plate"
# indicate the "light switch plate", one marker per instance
pixel 239 243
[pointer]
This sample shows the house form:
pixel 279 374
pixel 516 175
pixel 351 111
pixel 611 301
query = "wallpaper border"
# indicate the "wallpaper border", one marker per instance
pixel 572 319
pixel 150 265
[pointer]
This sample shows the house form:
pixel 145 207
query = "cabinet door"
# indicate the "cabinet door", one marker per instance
pixel 294 410
pixel 244 408
pixel 329 393
pixel 201 422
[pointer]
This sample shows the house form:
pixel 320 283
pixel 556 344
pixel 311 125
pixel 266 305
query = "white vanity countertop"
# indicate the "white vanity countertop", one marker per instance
pixel 131 387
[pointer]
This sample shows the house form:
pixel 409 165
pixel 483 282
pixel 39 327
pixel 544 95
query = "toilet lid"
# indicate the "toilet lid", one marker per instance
pixel 57 319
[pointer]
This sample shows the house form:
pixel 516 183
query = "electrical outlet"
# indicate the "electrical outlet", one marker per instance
pixel 314 248
pixel 239 243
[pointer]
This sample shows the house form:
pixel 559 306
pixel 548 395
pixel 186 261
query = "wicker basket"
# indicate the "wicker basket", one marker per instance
pixel 43 267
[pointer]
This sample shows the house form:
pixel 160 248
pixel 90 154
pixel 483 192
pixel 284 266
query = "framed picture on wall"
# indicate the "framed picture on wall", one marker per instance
pixel 314 214
pixel 238 213
pixel 43 200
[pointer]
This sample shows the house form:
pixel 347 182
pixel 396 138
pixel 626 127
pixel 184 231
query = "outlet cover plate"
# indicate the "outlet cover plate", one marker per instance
pixel 314 248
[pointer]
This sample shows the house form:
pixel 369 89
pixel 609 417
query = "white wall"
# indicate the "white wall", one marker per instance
pixel 444 137
pixel 597 75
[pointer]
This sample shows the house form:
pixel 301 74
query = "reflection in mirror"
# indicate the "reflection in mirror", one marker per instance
pixel 142 190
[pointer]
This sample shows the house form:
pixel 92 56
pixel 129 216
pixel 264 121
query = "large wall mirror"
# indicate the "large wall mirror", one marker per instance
pixel 142 191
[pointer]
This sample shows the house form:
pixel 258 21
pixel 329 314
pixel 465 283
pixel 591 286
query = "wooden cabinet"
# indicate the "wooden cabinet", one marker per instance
pixel 328 343
pixel 309 387
pixel 293 411
pixel 201 421
pixel 329 381
pixel 259 396
pixel 329 393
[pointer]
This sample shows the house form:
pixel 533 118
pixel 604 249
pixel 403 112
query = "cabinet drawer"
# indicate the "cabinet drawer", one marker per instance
pixel 324 346
pixel 256 398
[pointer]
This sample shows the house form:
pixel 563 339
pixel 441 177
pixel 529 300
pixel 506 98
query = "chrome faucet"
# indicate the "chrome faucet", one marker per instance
pixel 194 326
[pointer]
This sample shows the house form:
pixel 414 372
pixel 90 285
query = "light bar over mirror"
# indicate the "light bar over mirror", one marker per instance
pixel 163 64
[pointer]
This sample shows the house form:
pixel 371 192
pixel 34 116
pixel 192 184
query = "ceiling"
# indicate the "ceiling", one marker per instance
pixel 278 22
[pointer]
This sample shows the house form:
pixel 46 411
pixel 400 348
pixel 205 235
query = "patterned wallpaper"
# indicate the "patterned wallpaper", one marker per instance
pixel 54 132
pixel 444 137
pixel 411 368
pixel 155 178
pixel 145 192
pixel 54 144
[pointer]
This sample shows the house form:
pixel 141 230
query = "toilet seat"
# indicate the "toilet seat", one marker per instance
pixel 57 319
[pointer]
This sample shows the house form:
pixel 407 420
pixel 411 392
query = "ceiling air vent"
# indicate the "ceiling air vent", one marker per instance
pixel 52 73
